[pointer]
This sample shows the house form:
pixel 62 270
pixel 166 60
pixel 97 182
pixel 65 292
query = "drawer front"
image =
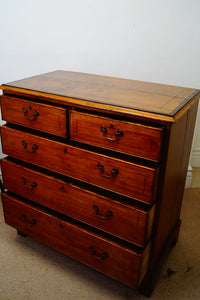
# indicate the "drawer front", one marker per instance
pixel 123 177
pixel 43 117
pixel 91 208
pixel 90 248
pixel 131 138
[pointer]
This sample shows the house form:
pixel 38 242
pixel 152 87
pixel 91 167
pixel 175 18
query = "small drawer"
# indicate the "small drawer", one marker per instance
pixel 126 178
pixel 108 256
pixel 43 117
pixel 131 138
pixel 86 206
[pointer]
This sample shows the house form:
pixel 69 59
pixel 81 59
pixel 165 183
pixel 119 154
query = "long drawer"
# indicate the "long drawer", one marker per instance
pixel 132 138
pixel 90 248
pixel 126 178
pixel 91 208
pixel 43 117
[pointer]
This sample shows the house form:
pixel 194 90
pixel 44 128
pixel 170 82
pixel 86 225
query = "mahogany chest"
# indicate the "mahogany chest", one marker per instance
pixel 96 168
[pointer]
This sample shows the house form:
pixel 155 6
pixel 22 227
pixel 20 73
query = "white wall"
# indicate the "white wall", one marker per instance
pixel 155 40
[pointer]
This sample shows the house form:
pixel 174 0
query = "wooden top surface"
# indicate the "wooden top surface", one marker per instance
pixel 118 93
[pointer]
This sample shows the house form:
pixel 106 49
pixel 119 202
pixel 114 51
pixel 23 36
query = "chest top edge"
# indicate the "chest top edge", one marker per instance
pixel 122 96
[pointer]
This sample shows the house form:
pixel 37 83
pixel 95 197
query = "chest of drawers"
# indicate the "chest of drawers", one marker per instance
pixel 96 168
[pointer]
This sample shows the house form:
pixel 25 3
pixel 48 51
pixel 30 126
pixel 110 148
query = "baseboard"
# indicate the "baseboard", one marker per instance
pixel 188 181
pixel 195 157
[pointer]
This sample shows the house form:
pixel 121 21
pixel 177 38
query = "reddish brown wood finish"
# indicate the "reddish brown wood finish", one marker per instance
pixel 135 224
pixel 121 262
pixel 136 139
pixel 170 110
pixel 91 90
pixel 133 180
pixel 51 119
pixel 167 222
pixel 180 141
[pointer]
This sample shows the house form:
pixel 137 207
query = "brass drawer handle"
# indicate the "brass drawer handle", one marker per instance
pixel 30 187
pixel 102 256
pixel 108 214
pixel 114 171
pixel 27 222
pixel 35 114
pixel 118 134
pixel 34 147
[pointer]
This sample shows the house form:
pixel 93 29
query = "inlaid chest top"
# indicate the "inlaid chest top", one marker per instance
pixel 118 93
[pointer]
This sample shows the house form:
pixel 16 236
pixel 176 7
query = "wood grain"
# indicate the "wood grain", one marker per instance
pixel 137 95
pixel 167 217
pixel 121 263
pixel 51 119
pixel 157 123
pixel 95 106
pixel 78 203
pixel 132 180
pixel 136 139
pixel 173 187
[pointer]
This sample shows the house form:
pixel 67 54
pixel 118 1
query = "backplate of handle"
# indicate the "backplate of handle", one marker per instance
pixel 106 217
pixel 119 133
pixel 35 114
pixel 27 221
pixel 30 187
pixel 101 256
pixel 34 147
pixel 114 171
